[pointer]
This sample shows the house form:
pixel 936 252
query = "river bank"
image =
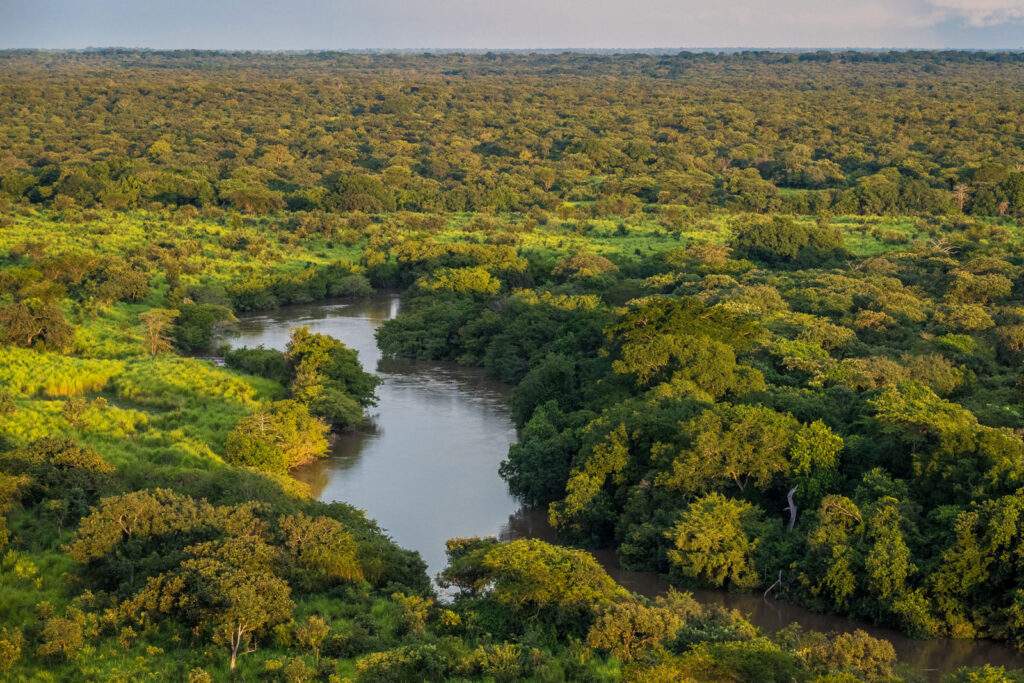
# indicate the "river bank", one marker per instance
pixel 428 471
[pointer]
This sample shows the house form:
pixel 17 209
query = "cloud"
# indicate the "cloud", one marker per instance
pixel 313 24
pixel 980 13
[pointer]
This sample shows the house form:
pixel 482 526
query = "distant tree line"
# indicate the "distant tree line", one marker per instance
pixel 871 133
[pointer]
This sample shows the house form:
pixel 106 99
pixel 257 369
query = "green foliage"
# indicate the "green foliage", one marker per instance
pixel 35 323
pixel 63 637
pixel 857 654
pixel 712 542
pixel 827 392
pixel 527 577
pixel 681 343
pixel 276 438
pixel 59 476
pixel 631 630
pixel 590 164
pixel 744 445
pixel 582 265
pixel 269 363
pixel 226 590
pixel 783 239
pixel 322 547
pixel 12 641
pixel 328 378
pixel 983 674
pixel 538 466
pixel 196 326
pixel 475 280
pixel 606 459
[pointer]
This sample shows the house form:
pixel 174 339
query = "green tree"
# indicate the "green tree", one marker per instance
pixel 630 630
pixel 58 469
pixel 328 378
pixel 321 546
pixel 470 280
pixel 312 635
pixel 783 239
pixel 277 437
pixel 538 464
pixel 156 325
pixel 737 444
pixel 531 578
pixel 197 324
pixel 35 322
pixel 832 568
pixel 712 542
pixel 682 343
pixel 888 564
pixel 226 590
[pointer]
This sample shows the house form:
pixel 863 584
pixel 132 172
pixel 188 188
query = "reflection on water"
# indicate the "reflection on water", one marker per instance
pixel 428 471
pixel 931 657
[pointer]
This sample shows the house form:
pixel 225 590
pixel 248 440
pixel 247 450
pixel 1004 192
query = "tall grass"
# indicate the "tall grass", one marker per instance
pixel 175 382
pixel 25 372
pixel 35 419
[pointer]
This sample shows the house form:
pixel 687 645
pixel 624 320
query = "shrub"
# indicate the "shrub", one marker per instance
pixel 322 547
pixel 196 326
pixel 783 239
pixel 276 438
pixel 628 630
pixel 471 280
pixel 59 469
pixel 582 265
pixel 63 637
pixel 11 643
pixel 35 323
pixel 857 653
pixel 268 363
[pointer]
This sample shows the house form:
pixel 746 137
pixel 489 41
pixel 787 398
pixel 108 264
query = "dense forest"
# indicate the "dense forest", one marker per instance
pixel 908 133
pixel 760 314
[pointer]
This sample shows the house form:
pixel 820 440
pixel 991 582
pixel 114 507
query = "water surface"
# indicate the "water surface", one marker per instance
pixel 428 472
pixel 932 658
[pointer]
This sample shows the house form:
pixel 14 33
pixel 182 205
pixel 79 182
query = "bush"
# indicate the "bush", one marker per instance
pixel 11 643
pixel 268 363
pixel 782 239
pixel 628 630
pixel 276 438
pixel 471 280
pixel 321 547
pixel 35 323
pixel 196 326
pixel 64 636
pixel 59 469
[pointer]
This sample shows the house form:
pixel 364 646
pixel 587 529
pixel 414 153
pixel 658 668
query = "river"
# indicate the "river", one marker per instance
pixel 428 471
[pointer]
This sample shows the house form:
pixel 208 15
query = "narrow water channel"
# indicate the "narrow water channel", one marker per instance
pixel 428 471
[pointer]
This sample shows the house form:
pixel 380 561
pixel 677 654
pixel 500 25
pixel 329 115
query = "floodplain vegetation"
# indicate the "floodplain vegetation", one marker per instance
pixel 758 340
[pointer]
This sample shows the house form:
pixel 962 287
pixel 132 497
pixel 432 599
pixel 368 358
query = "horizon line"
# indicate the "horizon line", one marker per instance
pixel 484 50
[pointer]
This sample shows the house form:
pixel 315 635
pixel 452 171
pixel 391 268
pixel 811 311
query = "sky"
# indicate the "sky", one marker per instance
pixel 510 24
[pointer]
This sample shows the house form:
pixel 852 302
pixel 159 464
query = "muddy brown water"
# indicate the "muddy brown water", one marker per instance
pixel 428 471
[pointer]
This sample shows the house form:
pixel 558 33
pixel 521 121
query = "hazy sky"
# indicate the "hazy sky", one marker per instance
pixel 341 24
